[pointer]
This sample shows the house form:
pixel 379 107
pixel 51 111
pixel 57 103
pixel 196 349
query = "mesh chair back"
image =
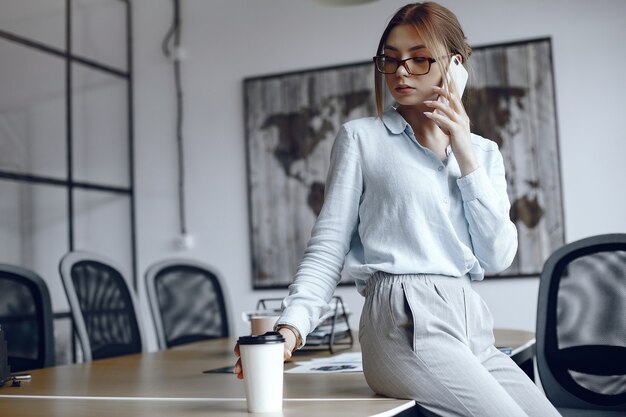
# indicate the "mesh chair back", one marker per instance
pixel 187 302
pixel 581 328
pixel 103 307
pixel 26 318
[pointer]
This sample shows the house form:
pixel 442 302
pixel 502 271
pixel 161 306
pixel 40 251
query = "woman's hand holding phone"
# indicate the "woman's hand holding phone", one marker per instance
pixel 451 117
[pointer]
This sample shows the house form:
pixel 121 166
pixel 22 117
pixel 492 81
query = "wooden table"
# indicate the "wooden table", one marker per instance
pixel 522 343
pixel 172 383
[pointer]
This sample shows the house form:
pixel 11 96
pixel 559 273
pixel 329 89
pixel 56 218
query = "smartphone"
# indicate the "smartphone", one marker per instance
pixel 457 74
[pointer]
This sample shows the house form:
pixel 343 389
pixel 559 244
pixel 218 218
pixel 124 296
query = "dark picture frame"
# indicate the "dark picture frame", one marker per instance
pixel 290 124
pixel 512 101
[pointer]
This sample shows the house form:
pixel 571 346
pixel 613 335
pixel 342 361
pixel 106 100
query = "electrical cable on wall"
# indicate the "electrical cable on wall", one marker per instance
pixel 172 49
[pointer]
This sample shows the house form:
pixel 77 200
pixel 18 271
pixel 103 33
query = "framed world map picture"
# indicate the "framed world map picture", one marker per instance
pixel 291 120
pixel 511 101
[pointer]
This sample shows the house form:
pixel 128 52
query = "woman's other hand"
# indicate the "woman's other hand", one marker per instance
pixel 290 345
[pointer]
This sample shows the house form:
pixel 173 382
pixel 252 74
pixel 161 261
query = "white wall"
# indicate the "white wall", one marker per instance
pixel 250 38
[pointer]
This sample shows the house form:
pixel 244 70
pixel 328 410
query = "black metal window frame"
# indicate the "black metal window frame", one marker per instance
pixel 70 184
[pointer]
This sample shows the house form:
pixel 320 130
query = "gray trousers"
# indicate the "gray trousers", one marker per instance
pixel 430 338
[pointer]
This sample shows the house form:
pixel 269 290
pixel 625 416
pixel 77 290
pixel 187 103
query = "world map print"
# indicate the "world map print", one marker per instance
pixel 290 154
pixel 292 120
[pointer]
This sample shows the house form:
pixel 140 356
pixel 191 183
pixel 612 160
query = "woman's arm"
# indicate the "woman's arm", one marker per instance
pixel 321 266
pixel 485 201
pixel 486 205
pixel 320 269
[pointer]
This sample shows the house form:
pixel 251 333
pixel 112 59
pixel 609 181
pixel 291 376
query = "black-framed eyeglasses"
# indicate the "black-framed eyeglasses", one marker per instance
pixel 414 66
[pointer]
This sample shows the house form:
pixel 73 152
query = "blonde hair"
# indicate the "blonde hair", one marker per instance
pixel 437 26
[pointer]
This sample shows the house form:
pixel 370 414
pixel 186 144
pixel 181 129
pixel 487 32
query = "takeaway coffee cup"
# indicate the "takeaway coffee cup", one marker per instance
pixel 262 361
pixel 262 324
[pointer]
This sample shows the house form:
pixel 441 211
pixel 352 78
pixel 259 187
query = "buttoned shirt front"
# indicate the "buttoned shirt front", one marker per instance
pixel 391 205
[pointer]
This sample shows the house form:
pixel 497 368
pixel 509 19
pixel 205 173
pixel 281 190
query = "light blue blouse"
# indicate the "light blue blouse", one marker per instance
pixel 391 205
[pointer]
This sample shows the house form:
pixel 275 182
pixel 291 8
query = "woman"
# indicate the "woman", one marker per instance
pixel 416 206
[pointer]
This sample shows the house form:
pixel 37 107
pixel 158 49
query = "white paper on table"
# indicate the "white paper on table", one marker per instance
pixel 351 357
pixel 346 362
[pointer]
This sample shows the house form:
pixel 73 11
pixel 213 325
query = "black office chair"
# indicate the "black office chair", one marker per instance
pixel 26 318
pixel 187 302
pixel 581 327
pixel 103 307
